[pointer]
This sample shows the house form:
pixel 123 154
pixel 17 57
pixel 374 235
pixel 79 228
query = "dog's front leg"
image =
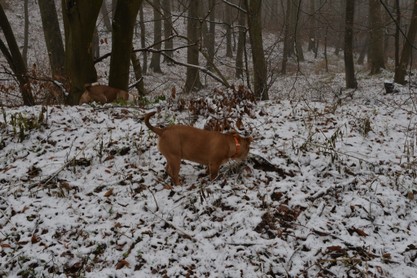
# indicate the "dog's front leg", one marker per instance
pixel 213 170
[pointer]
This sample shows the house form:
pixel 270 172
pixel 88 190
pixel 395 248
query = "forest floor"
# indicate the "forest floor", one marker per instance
pixel 328 189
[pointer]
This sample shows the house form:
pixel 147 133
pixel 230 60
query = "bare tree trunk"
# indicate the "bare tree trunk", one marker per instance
pixel 287 40
pixel 228 27
pixel 192 81
pixel 376 37
pixel 106 17
pixel 341 23
pixel 168 30
pixel 143 40
pixel 123 26
pixel 95 45
pixel 14 58
pixel 79 22
pixel 157 29
pixel 400 73
pixel 53 38
pixel 26 33
pixel 295 22
pixel 255 35
pixel 312 29
pixel 140 86
pixel 241 44
pixel 209 41
pixel 397 34
pixel 348 51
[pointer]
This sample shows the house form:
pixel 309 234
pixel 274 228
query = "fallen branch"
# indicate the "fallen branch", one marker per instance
pixel 181 231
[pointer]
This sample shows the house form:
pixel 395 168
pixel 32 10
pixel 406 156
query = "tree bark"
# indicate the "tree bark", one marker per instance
pixel 168 31
pixel 209 41
pixel 53 38
pixel 287 39
pixel 348 51
pixel 143 40
pixel 79 23
pixel 376 37
pixel 157 33
pixel 401 71
pixel 295 27
pixel 123 25
pixel 140 86
pixel 14 58
pixel 397 34
pixel 192 82
pixel 106 17
pixel 241 42
pixel 26 33
pixel 255 36
pixel 228 27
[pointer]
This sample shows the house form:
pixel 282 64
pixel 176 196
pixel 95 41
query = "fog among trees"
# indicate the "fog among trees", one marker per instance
pixel 229 41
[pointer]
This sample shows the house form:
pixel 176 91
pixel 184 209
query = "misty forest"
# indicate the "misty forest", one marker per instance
pixel 325 91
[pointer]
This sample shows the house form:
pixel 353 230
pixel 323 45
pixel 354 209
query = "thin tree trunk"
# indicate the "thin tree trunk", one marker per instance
pixel 228 27
pixel 26 33
pixel 168 31
pixel 287 40
pixel 376 37
pixel 14 58
pixel 143 40
pixel 397 34
pixel 140 86
pixel 342 23
pixel 210 42
pixel 400 73
pixel 255 35
pixel 53 38
pixel 193 32
pixel 106 17
pixel 157 29
pixel 296 30
pixel 348 51
pixel 241 44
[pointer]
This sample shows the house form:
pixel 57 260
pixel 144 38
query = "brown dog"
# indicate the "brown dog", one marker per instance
pixel 102 94
pixel 209 148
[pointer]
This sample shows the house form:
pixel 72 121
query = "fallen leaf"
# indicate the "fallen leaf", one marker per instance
pixel 35 239
pixel 121 264
pixel 108 193
pixel 358 231
pixel 5 245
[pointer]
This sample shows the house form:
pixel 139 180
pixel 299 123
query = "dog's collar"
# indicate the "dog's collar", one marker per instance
pixel 237 145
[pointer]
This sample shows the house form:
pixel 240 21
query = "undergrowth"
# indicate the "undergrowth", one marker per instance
pixel 223 109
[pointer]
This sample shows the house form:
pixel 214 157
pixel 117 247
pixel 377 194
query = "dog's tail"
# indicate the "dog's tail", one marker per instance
pixel 157 130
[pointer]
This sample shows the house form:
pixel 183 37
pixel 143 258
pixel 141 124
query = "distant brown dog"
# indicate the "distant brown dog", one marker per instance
pixel 209 148
pixel 102 94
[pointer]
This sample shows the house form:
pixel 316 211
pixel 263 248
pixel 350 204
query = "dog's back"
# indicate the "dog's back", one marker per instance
pixel 102 94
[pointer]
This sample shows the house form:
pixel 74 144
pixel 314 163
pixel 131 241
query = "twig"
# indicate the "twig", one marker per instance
pixel 181 231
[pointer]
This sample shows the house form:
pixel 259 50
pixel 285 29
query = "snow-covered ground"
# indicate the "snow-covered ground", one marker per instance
pixel 83 192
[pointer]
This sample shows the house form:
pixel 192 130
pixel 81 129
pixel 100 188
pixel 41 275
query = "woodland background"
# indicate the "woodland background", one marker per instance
pixel 223 40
